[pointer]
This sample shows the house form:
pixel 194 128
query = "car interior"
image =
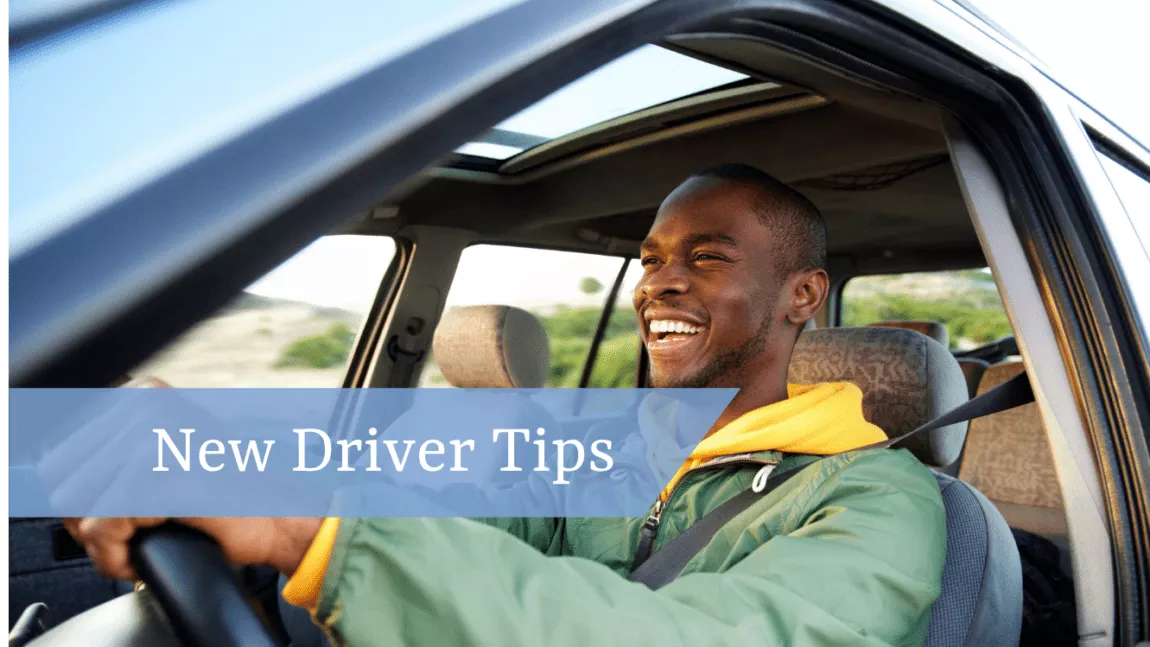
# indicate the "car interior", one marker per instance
pixel 881 167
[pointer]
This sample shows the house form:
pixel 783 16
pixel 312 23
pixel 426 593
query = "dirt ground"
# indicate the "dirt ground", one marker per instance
pixel 240 347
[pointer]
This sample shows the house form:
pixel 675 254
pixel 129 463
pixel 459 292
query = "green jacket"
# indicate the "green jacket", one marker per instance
pixel 849 552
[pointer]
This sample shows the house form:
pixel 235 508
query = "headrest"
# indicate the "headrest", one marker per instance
pixel 478 347
pixel 932 329
pixel 907 379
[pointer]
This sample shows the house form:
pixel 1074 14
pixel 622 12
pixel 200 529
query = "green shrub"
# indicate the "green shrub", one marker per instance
pixel 590 285
pixel 975 314
pixel 568 354
pixel 615 364
pixel 318 351
pixel 571 331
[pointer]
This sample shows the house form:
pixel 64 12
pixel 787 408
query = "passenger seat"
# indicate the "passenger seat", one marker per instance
pixel 491 347
pixel 1008 459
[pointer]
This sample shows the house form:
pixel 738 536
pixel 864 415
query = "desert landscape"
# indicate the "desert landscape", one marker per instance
pixel 265 342
pixel 244 346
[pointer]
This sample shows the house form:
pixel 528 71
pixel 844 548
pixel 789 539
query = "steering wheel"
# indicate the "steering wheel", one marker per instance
pixel 200 601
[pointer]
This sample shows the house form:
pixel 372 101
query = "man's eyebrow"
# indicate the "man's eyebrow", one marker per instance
pixel 649 245
pixel 698 239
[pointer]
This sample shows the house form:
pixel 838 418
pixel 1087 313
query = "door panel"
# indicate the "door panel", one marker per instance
pixel 46 565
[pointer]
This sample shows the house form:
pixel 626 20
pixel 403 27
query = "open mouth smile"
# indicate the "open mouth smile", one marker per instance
pixel 671 335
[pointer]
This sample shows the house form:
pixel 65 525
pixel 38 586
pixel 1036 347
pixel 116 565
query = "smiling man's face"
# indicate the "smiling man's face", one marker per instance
pixel 712 302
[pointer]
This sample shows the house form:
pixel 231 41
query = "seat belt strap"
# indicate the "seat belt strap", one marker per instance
pixel 1012 393
pixel 666 564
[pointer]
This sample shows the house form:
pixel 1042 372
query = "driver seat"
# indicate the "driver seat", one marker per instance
pixel 908 379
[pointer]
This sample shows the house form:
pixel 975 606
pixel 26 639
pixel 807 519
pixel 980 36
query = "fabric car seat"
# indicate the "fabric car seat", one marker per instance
pixel 972 368
pixel 1009 460
pixel 908 379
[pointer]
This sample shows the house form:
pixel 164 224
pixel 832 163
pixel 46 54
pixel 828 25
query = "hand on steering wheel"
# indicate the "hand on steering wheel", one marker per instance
pixel 276 542
pixel 189 572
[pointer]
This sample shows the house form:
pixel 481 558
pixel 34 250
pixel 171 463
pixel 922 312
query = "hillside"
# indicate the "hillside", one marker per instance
pixel 242 345
pixel 966 301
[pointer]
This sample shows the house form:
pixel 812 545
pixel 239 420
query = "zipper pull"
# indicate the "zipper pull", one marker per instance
pixel 651 525
pixel 647 535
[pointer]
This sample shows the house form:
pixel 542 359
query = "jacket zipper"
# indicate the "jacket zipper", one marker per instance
pixel 650 529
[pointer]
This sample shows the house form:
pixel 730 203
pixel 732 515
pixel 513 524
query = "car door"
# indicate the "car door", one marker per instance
pixel 83 314
pixel 299 326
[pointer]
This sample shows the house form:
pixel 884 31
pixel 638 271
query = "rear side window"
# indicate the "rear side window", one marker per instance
pixel 295 327
pixel 965 301
pixel 568 292
pixel 618 355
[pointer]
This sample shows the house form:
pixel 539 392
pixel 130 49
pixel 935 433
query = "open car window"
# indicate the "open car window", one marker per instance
pixel 965 301
pixel 617 358
pixel 567 291
pixel 294 327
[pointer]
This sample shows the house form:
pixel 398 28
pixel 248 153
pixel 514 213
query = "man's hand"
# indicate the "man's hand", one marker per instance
pixel 277 542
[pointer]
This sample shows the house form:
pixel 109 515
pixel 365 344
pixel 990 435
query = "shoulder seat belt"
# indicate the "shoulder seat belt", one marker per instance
pixel 666 564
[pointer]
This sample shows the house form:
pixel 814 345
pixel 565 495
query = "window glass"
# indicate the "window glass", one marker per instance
pixel 565 290
pixel 295 327
pixel 966 301
pixel 644 78
pixel 1134 191
pixel 618 355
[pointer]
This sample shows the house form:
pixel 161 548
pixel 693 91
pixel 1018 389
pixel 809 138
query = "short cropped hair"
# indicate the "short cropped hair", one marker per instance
pixel 794 219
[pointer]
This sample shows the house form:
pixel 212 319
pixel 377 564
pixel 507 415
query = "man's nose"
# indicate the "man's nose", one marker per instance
pixel 670 278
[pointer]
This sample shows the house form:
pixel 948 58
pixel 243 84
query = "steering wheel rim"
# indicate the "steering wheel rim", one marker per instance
pixel 203 599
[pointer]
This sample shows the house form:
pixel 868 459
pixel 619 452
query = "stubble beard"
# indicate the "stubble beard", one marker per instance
pixel 722 365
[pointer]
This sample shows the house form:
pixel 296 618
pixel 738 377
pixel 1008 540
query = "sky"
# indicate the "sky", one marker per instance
pixel 1098 49
pixel 345 272
pixel 645 77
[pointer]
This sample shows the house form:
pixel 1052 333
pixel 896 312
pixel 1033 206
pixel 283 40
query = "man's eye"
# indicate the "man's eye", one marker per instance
pixel 703 256
pixel 650 260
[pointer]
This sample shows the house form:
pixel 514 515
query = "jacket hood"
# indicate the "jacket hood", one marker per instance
pixel 819 419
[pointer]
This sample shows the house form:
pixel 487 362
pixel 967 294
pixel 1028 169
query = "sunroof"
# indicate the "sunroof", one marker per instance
pixel 646 77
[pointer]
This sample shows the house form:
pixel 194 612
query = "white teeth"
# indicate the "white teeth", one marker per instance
pixel 667 326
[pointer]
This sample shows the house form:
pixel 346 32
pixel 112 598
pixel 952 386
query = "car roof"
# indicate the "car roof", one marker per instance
pixel 875 163
pixel 272 116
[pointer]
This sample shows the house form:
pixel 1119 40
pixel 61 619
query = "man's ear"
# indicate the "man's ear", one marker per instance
pixel 808 294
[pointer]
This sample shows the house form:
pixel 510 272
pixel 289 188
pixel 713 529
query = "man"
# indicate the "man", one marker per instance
pixel 849 552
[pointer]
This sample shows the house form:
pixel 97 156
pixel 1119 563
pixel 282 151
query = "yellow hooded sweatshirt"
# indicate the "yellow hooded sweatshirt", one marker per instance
pixel 819 419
